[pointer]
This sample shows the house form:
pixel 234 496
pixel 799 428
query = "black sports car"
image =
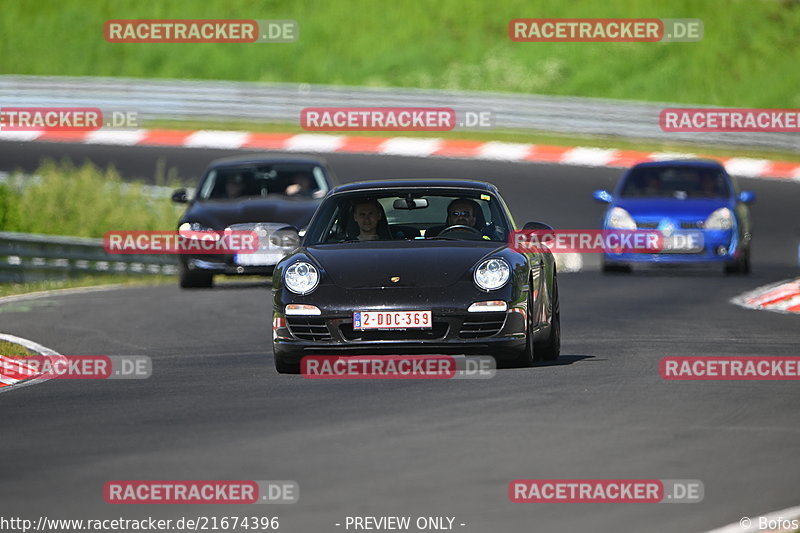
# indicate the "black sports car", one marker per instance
pixel 414 266
pixel 273 196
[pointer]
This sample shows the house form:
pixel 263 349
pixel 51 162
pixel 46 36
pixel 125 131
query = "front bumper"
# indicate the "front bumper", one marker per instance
pixel 224 264
pixel 719 246
pixel 500 334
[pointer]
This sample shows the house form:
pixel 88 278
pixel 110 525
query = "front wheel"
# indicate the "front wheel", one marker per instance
pixel 550 349
pixel 191 279
pixel 741 266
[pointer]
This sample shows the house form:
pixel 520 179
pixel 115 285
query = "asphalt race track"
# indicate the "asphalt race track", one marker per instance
pixel 215 408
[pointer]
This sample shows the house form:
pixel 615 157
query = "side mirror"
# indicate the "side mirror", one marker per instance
pixel 180 196
pixel 747 197
pixel 603 196
pixel 537 225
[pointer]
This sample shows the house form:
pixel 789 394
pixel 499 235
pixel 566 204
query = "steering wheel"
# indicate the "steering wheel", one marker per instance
pixel 460 227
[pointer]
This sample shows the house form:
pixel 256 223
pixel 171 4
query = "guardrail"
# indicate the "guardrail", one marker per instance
pixel 282 102
pixel 27 257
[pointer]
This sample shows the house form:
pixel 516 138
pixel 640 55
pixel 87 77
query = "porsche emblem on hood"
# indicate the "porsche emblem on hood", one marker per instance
pixel 395 279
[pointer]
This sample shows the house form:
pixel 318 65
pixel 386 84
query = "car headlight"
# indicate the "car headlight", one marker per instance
pixel 195 230
pixel 618 218
pixel 301 277
pixel 492 274
pixel 284 239
pixel 722 218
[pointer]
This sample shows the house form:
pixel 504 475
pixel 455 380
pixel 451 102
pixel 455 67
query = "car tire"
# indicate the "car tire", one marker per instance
pixel 550 349
pixel 616 268
pixel 189 279
pixel 739 267
pixel 283 366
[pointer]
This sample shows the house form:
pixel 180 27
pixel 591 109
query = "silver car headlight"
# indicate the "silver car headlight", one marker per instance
pixel 195 230
pixel 301 277
pixel 618 218
pixel 722 218
pixel 492 274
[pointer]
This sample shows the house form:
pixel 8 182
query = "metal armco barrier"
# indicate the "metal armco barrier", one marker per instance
pixel 282 102
pixel 26 257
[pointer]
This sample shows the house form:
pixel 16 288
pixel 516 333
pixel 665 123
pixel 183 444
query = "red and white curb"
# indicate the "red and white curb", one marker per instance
pixel 782 297
pixel 402 146
pixel 7 379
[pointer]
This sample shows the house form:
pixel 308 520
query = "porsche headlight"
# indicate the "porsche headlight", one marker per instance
pixel 618 218
pixel 722 218
pixel 301 277
pixel 492 274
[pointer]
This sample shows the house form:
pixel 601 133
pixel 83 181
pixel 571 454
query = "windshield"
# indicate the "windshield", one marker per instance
pixel 409 216
pixel 294 180
pixel 675 182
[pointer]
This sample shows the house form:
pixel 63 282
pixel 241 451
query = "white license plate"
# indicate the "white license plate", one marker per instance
pixel 257 259
pixel 682 244
pixel 392 320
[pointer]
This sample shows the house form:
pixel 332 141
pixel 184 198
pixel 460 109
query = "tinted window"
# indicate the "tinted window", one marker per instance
pixel 675 182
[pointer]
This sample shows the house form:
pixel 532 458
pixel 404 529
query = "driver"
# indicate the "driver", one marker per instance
pixel 462 212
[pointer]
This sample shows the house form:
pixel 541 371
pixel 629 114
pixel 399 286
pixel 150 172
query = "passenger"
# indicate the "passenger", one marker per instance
pixel 300 185
pixel 234 185
pixel 368 214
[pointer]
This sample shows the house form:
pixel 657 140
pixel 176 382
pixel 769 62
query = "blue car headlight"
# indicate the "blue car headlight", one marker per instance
pixel 722 218
pixel 618 218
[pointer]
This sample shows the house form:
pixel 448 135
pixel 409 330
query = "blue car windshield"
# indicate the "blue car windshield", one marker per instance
pixel 675 182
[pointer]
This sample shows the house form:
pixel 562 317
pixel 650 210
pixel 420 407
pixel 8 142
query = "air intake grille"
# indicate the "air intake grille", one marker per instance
pixel 482 325
pixel 308 328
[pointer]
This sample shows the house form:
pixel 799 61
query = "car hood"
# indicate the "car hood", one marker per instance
pixel 417 263
pixel 698 208
pixel 221 214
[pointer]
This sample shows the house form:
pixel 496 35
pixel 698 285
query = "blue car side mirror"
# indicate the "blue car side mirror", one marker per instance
pixel 747 197
pixel 603 196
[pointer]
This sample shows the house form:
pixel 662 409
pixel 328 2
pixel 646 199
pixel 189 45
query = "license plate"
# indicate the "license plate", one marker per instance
pixel 392 320
pixel 683 243
pixel 257 259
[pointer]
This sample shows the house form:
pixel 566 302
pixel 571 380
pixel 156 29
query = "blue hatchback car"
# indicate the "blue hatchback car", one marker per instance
pixel 696 205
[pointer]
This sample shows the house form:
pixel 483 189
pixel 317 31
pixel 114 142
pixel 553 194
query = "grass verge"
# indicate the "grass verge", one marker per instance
pixel 12 289
pixel 11 349
pixel 748 55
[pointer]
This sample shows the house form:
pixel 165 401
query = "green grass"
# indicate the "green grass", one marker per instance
pixel 10 349
pixel 83 201
pixel 748 57
pixel 511 136
pixel 13 289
